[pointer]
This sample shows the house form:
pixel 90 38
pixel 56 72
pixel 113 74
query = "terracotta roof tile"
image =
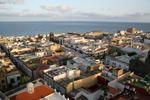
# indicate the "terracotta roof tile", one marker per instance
pixel 39 92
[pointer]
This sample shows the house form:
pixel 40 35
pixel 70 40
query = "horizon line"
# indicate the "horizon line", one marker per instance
pixel 79 21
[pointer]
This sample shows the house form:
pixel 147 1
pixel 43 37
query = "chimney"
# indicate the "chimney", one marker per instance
pixel 30 88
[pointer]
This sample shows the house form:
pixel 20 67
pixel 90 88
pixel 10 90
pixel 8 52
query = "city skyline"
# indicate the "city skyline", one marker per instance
pixel 75 10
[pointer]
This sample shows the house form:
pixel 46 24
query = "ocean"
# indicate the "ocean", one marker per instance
pixel 33 28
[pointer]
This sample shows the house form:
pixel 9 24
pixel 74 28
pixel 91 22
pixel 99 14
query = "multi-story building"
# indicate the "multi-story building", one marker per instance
pixel 37 91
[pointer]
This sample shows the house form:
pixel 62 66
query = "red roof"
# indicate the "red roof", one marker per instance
pixel 112 90
pixel 39 92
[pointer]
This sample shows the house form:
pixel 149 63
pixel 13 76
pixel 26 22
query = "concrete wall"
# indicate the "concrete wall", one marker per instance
pixel 59 88
pixel 90 96
pixel 116 84
pixel 85 82
pixel 69 74
pixel 116 63
pixel 14 77
pixel 147 41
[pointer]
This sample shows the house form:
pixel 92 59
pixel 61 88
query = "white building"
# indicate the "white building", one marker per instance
pixel 89 95
pixel 121 62
pixel 42 53
pixel 37 91
pixel 55 73
pixel 84 64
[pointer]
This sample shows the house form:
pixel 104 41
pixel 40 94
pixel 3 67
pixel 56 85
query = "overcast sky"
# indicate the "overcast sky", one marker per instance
pixel 75 10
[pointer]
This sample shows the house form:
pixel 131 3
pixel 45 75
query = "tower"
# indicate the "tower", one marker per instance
pixel 30 88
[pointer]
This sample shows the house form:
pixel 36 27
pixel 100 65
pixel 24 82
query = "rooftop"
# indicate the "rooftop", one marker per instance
pixel 39 92
pixel 113 90
pixel 124 58
pixel 130 95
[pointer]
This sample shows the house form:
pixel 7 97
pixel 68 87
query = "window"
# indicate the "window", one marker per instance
pixel 3 86
pixel 119 66
pixel 114 64
pixel 3 81
pixel 18 78
pixel 12 80
pixel 108 61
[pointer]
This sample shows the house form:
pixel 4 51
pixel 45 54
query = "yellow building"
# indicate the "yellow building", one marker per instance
pixel 84 81
pixel 55 47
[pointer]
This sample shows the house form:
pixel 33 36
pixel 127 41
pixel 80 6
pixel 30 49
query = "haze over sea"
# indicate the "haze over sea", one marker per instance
pixel 33 28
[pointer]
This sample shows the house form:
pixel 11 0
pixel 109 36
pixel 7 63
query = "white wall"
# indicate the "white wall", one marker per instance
pixel 54 96
pixel 90 96
pixel 147 41
pixel 116 84
pixel 69 74
pixel 116 63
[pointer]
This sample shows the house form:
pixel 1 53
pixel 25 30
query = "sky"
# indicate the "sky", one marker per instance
pixel 75 10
